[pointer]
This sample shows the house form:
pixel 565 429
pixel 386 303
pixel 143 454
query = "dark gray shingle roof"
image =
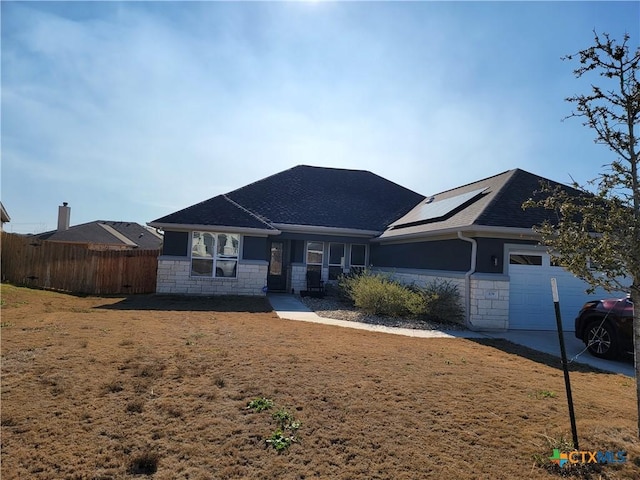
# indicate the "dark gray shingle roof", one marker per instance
pixel 499 205
pixel 305 195
pixel 217 211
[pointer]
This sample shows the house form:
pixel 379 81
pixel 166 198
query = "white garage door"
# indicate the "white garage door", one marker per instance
pixel 530 300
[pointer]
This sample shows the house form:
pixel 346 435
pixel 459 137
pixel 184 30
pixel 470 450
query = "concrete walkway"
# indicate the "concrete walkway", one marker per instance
pixel 290 307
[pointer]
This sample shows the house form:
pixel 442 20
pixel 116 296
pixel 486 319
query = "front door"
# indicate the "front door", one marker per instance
pixel 277 277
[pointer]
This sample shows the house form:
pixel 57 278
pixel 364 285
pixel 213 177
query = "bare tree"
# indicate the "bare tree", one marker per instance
pixel 596 234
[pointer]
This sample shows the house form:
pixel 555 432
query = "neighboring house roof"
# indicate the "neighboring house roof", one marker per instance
pixel 102 232
pixel 492 204
pixel 4 216
pixel 304 196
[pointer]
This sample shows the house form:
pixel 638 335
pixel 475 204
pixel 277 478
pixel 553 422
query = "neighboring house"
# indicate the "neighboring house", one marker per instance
pixel 267 235
pixel 4 217
pixel 102 234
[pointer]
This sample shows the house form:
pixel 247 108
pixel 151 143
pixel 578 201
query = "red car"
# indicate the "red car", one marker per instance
pixel 606 327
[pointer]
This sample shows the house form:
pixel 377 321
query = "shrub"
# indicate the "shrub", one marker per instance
pixel 442 301
pixel 380 295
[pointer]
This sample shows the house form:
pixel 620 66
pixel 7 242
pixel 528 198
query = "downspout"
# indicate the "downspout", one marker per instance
pixel 467 280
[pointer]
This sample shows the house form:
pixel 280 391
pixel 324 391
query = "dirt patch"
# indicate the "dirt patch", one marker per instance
pixel 126 387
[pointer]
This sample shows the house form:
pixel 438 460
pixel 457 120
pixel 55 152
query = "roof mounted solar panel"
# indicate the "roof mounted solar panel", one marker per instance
pixel 431 210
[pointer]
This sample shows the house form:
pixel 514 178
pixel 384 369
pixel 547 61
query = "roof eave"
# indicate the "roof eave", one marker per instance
pixel 185 227
pixel 468 230
pixel 321 230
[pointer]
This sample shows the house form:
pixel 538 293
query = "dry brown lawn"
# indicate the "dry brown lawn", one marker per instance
pixel 102 388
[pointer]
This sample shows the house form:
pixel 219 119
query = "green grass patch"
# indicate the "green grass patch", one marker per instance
pixel 260 404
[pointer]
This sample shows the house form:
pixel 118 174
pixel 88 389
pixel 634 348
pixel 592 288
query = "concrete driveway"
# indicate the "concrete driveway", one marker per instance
pixel 290 307
pixel 548 342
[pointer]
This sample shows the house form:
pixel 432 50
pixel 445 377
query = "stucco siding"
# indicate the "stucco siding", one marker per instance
pixel 448 255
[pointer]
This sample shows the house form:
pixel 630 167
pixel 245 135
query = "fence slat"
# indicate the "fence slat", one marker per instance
pixel 76 268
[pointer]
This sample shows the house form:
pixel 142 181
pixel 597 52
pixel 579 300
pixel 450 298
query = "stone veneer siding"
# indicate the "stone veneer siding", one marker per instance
pixel 489 304
pixel 489 301
pixel 299 276
pixel 174 277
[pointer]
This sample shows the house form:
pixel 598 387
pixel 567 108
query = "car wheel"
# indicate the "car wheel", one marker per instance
pixel 601 340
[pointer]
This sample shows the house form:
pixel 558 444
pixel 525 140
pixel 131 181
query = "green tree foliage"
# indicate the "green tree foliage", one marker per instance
pixel 596 228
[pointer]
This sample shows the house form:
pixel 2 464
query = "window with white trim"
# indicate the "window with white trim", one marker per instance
pixel 214 254
pixel 315 256
pixel 336 260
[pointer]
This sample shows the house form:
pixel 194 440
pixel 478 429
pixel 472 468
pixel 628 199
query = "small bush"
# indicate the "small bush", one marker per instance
pixel 380 295
pixel 442 301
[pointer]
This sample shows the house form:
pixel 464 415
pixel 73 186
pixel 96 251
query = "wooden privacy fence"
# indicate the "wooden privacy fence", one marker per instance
pixel 76 268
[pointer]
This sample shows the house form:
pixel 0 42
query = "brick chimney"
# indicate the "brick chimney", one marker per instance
pixel 64 216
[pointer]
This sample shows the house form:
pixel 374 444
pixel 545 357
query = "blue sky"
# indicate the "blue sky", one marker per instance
pixel 133 110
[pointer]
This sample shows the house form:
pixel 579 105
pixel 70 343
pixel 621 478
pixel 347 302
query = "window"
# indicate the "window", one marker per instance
pixel 214 254
pixel 358 258
pixel 275 263
pixel 336 260
pixel 202 254
pixel 315 253
pixel 524 259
